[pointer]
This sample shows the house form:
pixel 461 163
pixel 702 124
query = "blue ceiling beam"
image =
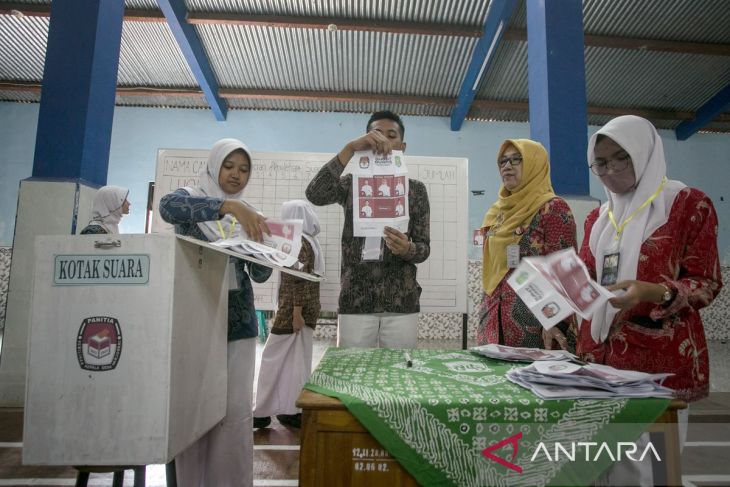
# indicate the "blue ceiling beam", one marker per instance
pixel 718 104
pixel 191 47
pixel 495 24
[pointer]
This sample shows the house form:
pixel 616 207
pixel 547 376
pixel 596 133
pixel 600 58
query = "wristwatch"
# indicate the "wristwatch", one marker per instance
pixel 667 296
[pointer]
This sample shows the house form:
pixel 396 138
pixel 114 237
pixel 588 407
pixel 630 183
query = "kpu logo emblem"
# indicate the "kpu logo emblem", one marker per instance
pixel 512 440
pixel 99 343
pixel 364 162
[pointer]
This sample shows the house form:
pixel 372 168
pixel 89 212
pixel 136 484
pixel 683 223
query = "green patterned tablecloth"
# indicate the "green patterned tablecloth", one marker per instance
pixel 438 416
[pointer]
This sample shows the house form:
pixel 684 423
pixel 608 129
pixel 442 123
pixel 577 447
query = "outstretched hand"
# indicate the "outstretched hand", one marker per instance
pixel 552 336
pixel 253 223
pixel 636 292
pixel 397 241
pixel 373 140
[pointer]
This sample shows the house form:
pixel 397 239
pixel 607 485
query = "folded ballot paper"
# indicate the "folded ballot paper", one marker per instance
pixel 565 380
pixel 281 248
pixel 521 354
pixel 557 285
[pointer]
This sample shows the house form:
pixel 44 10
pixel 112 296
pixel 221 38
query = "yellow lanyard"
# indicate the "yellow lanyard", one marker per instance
pixel 230 229
pixel 620 228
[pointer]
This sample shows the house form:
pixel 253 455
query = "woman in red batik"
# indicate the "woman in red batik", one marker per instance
pixel 527 220
pixel 662 237
pixel 654 242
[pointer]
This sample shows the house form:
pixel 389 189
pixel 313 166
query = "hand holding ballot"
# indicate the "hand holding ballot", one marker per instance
pixel 374 140
pixel 251 221
pixel 636 292
pixel 382 209
pixel 557 285
pixel 397 242
pixel 279 247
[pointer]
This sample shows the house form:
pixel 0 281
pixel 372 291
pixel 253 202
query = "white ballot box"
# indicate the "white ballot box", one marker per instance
pixel 127 349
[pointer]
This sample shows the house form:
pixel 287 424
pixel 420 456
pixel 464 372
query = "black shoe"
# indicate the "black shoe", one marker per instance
pixel 261 422
pixel 293 420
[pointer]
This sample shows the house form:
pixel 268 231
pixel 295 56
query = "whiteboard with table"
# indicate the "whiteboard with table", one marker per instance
pixel 280 176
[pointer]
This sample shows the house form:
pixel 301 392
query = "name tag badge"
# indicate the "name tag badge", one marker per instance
pixel 372 249
pixel 513 256
pixel 609 274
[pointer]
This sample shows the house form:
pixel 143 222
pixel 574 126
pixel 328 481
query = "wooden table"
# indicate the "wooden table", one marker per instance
pixel 337 450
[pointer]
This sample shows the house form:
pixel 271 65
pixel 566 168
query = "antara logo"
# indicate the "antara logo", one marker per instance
pixel 622 448
pixel 587 450
pixel 512 440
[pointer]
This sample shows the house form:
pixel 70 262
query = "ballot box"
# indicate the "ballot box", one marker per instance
pixel 127 349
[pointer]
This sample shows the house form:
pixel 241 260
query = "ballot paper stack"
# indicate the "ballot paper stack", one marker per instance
pixel 521 354
pixel 281 248
pixel 565 380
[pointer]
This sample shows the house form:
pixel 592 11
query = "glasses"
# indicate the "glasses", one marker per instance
pixel 615 164
pixel 514 160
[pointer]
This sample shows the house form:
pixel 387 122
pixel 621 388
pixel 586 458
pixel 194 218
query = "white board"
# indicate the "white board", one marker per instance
pixel 280 176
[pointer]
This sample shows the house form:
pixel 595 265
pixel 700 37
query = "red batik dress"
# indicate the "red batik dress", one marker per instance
pixel 504 317
pixel 682 255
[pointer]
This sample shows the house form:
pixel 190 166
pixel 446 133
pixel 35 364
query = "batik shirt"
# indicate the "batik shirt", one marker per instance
pixel 386 286
pixel 295 291
pixel 682 255
pixel 185 211
pixel 504 317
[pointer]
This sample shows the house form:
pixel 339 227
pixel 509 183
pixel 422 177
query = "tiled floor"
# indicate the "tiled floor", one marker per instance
pixel 276 455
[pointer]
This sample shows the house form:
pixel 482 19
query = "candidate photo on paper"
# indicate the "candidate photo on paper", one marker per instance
pixel 573 277
pixel 366 208
pixel 400 208
pixel 365 188
pixel 550 309
pixel 384 184
pixel 588 294
pixel 400 186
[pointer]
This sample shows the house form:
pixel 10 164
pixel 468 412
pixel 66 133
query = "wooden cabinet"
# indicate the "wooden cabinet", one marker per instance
pixel 337 450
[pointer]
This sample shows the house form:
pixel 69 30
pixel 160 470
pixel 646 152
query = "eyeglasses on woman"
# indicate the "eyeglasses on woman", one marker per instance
pixel 513 160
pixel 614 164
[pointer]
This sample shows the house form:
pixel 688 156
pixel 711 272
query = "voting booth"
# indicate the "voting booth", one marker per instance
pixel 127 349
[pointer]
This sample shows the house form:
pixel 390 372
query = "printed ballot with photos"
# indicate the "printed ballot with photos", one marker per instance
pixel 127 349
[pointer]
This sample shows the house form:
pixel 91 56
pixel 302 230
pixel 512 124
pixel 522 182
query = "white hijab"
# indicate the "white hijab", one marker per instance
pixel 304 210
pixel 208 187
pixel 107 210
pixel 639 138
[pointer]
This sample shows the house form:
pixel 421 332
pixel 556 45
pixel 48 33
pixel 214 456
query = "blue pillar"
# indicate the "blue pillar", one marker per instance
pixel 79 88
pixel 556 70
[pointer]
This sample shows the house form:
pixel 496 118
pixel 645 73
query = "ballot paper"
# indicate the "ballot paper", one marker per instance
pixel 557 285
pixel 280 248
pixel 379 193
pixel 521 354
pixel 565 380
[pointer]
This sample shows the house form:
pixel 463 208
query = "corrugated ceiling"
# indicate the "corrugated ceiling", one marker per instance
pixel 386 69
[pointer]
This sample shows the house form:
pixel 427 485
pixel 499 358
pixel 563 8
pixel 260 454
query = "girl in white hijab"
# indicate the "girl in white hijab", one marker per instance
pixel 286 362
pixel 225 177
pixel 110 205
pixel 654 242
pixel 210 211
